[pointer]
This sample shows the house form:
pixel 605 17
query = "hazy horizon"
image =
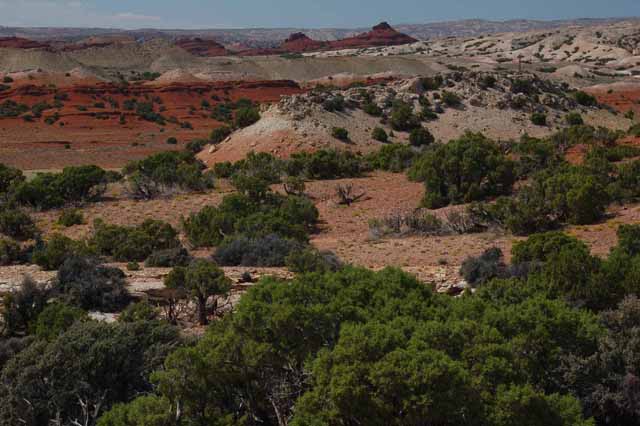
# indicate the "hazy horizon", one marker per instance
pixel 246 14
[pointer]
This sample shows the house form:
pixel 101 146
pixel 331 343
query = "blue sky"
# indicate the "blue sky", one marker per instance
pixel 292 13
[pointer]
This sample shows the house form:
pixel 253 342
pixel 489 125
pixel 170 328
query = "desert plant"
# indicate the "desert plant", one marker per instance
pixel 70 217
pixel 380 135
pixel 421 136
pixel 347 195
pixel 17 224
pixel 539 119
pixel 340 133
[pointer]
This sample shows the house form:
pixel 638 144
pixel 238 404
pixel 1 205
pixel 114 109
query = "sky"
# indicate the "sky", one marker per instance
pixel 293 13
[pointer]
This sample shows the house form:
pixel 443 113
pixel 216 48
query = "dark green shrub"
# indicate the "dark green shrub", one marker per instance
pixel 172 141
pixel 451 99
pixel 73 185
pixel 523 86
pixel 21 307
pixel 85 283
pixel 70 217
pixel 165 172
pixel 380 135
pixel 290 217
pixel 133 266
pixel 128 244
pixel 17 224
pixel 57 318
pixel 11 108
pixel 464 170
pixel 372 109
pixel 585 99
pixel 394 158
pixel 432 83
pixel 268 251
pixel 574 119
pixel 480 270
pixel 326 164
pixel 402 117
pixel 168 258
pixel 539 119
pixel 90 358
pixel 50 255
pixel 140 311
pixel 539 248
pixel 10 252
pixel 196 146
pixel 219 134
pixel 245 117
pixel 310 260
pixel 334 103
pixel 9 179
pixel 421 136
pixel 340 133
pixel 569 195
pixel 226 169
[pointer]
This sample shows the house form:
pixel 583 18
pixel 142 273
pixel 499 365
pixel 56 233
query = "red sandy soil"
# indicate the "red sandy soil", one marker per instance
pixel 344 229
pixel 95 136
pixel 622 98
pixel 201 47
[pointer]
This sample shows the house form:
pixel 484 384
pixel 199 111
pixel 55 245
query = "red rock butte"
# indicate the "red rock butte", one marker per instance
pixel 201 47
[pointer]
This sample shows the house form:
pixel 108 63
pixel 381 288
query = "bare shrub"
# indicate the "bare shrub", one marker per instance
pixel 346 194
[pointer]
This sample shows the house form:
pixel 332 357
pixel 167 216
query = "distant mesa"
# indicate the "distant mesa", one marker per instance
pixel 300 42
pixel 22 43
pixel 381 35
pixel 201 47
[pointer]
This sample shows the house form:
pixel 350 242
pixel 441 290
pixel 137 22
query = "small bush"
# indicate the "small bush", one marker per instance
pixel 464 170
pixel 380 135
pixel 168 258
pixel 51 255
pixel 334 103
pixel 172 141
pixel 394 158
pixel 574 119
pixel 340 133
pixel 10 252
pixel 57 318
pixel 432 83
pixel 133 266
pixel 269 251
pixel 133 244
pixel 17 224
pixel 310 260
pixel 245 117
pixel 219 134
pixel 21 307
pixel 70 217
pixel 585 99
pixel 141 311
pixel 479 270
pixel 402 117
pixel 451 99
pixel 421 136
pixel 539 119
pixel 86 283
pixel 372 109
